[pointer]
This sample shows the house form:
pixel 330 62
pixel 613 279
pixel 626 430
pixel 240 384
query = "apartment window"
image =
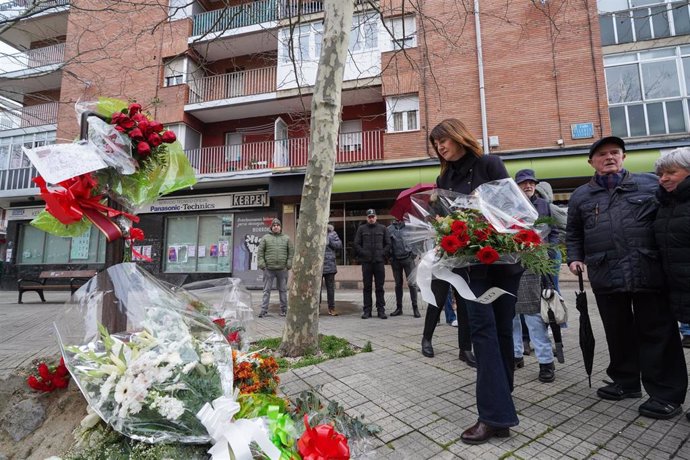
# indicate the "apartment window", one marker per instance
pixel 648 91
pixel 402 113
pixel 198 244
pixel 306 42
pixel 625 21
pixel 364 33
pixel 11 154
pixel 402 33
pixel 38 247
pixel 175 71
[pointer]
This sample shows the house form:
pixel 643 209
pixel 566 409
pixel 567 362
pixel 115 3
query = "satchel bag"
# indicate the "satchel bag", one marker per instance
pixel 553 309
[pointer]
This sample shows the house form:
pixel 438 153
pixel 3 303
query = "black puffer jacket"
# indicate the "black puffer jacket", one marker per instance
pixel 613 234
pixel 672 231
pixel 372 243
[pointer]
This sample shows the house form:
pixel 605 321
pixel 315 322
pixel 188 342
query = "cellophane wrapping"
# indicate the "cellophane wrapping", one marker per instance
pixel 144 358
pixel 229 305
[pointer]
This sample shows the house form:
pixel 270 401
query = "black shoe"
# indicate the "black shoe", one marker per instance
pixel 427 349
pixel 526 349
pixel 283 313
pixel 686 341
pixel 546 373
pixel 415 312
pixel 263 314
pixel 481 433
pixel 397 312
pixel 468 358
pixel 615 392
pixel 518 363
pixel 382 314
pixel 654 408
pixel 366 314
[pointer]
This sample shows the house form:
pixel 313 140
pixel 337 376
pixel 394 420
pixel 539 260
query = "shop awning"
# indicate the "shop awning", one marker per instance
pixel 545 167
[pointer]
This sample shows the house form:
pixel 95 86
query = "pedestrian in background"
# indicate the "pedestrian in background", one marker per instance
pixel 610 231
pixel 330 268
pixel 672 229
pixel 528 304
pixel 402 260
pixel 371 246
pixel 464 167
pixel 275 255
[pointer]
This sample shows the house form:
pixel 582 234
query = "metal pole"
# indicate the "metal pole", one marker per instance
pixel 480 67
pixel 113 318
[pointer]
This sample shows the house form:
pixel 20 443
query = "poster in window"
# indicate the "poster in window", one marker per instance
pixel 80 246
pixel 249 228
pixel 201 251
pixel 172 254
pixel 182 254
pixel 191 250
pixel 223 247
pixel 213 250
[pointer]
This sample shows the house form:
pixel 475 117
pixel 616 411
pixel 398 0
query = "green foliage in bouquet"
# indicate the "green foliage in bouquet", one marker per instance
pixel 465 237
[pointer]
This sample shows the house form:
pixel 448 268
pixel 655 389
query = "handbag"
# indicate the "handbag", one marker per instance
pixel 553 308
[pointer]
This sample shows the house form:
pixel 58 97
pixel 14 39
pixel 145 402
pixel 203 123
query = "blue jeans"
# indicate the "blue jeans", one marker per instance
pixel 538 335
pixel 282 278
pixel 684 329
pixel 448 308
pixel 491 327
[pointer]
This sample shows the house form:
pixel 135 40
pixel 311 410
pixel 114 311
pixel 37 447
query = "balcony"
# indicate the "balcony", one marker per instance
pixel 17 182
pixel 231 85
pixel 43 21
pixel 22 64
pixel 29 117
pixel 293 153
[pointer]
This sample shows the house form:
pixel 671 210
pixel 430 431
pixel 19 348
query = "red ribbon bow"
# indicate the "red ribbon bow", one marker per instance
pixel 322 443
pixel 69 206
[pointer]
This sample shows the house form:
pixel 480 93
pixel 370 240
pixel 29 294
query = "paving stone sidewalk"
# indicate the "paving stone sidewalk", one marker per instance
pixel 423 404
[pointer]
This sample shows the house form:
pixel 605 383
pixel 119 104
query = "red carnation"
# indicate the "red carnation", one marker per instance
pixel 220 322
pixel 234 337
pixel 487 255
pixel 136 234
pixel 134 109
pixel 451 244
pixel 458 227
pixel 155 140
pixel 169 137
pixel 143 149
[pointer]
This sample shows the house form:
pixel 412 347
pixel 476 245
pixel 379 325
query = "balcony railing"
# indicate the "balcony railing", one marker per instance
pixel 352 148
pixel 17 179
pixel 235 84
pixel 32 59
pixel 25 4
pixel 26 117
pixel 250 14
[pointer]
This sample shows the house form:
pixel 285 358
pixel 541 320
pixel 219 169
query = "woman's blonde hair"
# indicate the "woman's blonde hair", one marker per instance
pixel 454 129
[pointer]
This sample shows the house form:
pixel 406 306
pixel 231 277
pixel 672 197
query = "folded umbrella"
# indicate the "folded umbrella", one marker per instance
pixel 403 203
pixel 586 334
pixel 549 293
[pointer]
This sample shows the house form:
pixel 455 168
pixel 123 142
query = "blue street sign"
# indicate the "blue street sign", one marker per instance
pixel 582 130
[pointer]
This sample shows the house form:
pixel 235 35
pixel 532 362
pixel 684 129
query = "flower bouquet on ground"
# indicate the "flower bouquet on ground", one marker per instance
pixel 145 360
pixel 228 304
pixel 497 224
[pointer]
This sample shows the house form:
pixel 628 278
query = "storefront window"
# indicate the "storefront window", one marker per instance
pixel 38 247
pixel 199 244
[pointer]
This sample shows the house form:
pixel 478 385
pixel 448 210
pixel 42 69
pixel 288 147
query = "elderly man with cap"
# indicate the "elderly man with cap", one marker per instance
pixel 372 243
pixel 529 293
pixel 610 231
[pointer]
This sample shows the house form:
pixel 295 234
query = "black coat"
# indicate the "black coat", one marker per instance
pixel 672 232
pixel 463 176
pixel 372 243
pixel 613 234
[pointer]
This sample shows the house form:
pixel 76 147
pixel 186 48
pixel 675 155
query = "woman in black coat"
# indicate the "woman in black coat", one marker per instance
pixel 672 228
pixel 464 167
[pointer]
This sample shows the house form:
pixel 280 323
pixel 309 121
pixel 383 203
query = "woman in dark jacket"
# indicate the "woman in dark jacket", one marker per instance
pixel 463 168
pixel 330 268
pixel 672 228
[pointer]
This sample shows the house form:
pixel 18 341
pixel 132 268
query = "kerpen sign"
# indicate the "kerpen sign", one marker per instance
pixel 254 199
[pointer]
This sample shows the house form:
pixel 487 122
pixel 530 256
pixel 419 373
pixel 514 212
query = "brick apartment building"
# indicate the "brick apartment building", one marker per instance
pixel 233 79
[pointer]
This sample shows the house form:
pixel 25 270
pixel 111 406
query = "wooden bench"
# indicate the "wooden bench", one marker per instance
pixel 76 279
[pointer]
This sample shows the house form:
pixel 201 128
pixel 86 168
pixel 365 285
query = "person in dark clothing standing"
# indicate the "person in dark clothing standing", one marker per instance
pixel 672 229
pixel 610 230
pixel 402 260
pixel 371 246
pixel 330 268
pixel 463 168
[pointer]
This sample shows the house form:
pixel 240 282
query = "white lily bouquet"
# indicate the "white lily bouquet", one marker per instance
pixel 145 359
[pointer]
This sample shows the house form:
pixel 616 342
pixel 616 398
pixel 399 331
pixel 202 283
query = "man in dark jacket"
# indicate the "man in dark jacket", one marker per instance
pixel 371 246
pixel 402 259
pixel 275 255
pixel 610 230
